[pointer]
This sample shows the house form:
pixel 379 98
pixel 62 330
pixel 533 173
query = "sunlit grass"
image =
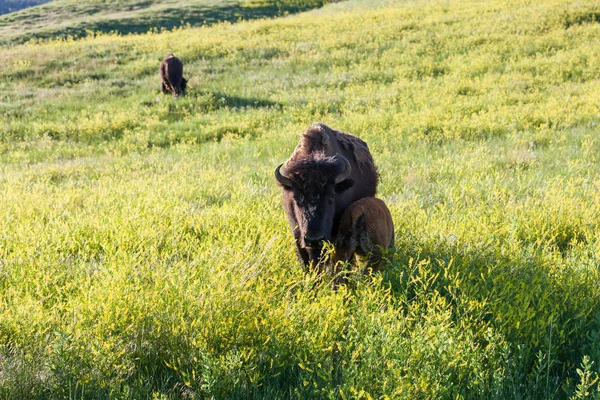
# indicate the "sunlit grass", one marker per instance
pixel 69 18
pixel 144 251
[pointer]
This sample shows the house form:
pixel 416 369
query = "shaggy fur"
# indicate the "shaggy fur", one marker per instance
pixel 321 139
pixel 310 175
pixel 171 75
pixel 365 229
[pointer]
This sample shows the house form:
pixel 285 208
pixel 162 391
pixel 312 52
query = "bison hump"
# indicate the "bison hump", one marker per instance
pixel 316 138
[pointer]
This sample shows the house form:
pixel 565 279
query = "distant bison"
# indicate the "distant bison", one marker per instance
pixel 171 75
pixel 327 171
pixel 365 229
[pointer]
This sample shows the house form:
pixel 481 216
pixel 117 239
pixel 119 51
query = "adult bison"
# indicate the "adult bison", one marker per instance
pixel 171 75
pixel 327 171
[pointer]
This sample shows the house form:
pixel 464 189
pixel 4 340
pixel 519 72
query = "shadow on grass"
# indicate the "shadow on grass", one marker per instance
pixel 200 101
pixel 172 18
pixel 222 100
pixel 540 312
pixel 16 5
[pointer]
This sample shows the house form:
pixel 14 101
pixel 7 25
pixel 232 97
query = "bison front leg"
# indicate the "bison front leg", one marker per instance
pixel 303 256
pixel 371 252
pixel 301 252
pixel 342 256
pixel 164 89
pixel 374 259
pixel 344 249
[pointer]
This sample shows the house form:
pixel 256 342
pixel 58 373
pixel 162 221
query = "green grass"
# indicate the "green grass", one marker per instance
pixel 68 18
pixel 144 251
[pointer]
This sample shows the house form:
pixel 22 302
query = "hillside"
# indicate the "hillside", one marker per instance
pixel 144 251
pixel 64 18
pixel 7 6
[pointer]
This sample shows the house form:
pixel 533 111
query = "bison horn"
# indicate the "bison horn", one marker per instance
pixel 284 180
pixel 345 173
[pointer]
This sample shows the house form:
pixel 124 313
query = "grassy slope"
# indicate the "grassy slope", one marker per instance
pixel 144 250
pixel 63 18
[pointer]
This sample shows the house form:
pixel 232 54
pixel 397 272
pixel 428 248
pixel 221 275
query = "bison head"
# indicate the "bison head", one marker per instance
pixel 179 90
pixel 310 187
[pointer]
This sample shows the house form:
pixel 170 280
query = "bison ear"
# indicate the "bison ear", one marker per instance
pixel 344 185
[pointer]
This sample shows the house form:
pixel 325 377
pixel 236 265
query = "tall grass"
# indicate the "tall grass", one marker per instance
pixel 144 251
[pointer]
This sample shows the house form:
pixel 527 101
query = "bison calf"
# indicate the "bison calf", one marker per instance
pixel 171 75
pixel 365 229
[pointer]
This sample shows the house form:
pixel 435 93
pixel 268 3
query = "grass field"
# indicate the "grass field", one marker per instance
pixel 144 252
pixel 72 19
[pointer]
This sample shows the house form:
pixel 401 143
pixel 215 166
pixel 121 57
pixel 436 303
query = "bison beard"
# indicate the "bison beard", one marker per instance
pixel 171 75
pixel 327 171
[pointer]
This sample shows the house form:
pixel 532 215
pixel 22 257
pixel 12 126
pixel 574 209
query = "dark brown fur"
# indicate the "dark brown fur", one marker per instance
pixel 171 75
pixel 314 202
pixel 365 229
pixel 319 138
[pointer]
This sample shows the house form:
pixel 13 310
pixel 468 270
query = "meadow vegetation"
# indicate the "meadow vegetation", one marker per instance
pixel 73 19
pixel 144 251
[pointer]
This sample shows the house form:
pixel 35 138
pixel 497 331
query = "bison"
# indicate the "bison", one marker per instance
pixel 365 229
pixel 327 171
pixel 171 75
